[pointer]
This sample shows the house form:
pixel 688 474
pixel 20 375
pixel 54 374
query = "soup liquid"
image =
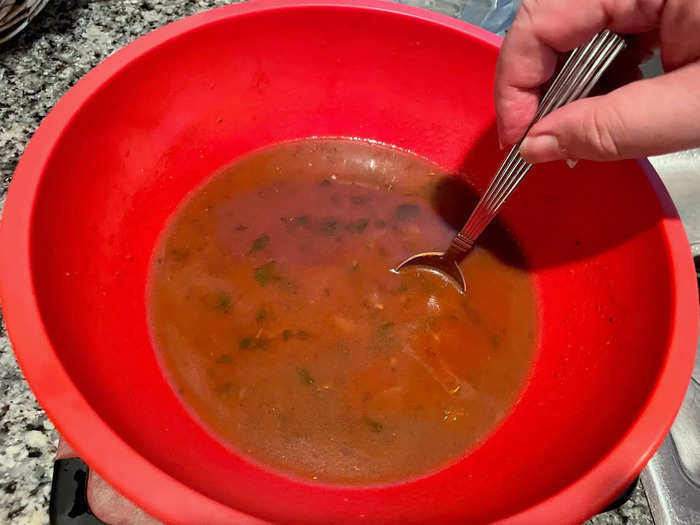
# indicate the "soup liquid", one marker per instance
pixel 279 322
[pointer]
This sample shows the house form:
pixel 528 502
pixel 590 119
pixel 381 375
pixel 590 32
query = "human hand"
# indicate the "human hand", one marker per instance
pixel 104 502
pixel 645 117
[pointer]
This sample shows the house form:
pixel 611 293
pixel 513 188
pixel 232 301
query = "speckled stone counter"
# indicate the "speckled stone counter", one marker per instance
pixel 63 43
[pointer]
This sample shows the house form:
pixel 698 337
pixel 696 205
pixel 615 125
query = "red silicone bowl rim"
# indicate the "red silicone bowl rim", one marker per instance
pixel 153 489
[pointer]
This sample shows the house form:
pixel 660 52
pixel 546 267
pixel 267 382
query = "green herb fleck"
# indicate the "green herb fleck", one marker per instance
pixel 259 243
pixel 385 329
pixel 359 199
pixel 373 425
pixel 406 212
pixel 305 376
pixel 330 227
pixel 224 359
pixel 262 315
pixel 265 273
pixel 473 315
pixel 287 335
pixel 176 254
pixel 301 220
pixel 261 343
pixel 223 302
pixel 358 226
pixel 225 390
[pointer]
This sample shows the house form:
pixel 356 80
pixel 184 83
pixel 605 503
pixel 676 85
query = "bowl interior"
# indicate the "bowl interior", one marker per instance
pixel 191 105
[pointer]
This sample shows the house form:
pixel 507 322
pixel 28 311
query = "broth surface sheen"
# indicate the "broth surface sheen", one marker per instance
pixel 278 320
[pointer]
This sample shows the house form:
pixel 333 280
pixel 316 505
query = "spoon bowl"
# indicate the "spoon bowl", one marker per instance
pixel 437 262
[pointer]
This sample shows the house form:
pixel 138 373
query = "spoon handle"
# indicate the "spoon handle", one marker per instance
pixel 579 73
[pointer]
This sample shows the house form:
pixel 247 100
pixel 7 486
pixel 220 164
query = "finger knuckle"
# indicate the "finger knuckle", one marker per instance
pixel 601 132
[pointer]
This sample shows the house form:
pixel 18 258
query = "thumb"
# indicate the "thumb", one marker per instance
pixel 647 117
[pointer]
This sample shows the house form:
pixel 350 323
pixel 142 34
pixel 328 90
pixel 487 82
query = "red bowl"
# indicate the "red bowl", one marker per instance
pixel 617 300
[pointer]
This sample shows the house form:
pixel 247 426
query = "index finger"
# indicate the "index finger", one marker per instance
pixel 541 30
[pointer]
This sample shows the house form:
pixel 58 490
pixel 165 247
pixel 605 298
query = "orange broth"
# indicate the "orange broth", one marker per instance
pixel 278 320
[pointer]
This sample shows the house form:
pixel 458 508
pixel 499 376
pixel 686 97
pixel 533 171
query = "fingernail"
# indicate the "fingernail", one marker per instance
pixel 541 148
pixel 571 163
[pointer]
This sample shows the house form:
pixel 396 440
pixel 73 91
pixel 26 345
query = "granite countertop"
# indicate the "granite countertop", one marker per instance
pixel 62 44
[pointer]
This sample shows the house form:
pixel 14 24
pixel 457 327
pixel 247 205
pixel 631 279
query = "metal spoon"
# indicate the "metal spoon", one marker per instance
pixel 580 72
